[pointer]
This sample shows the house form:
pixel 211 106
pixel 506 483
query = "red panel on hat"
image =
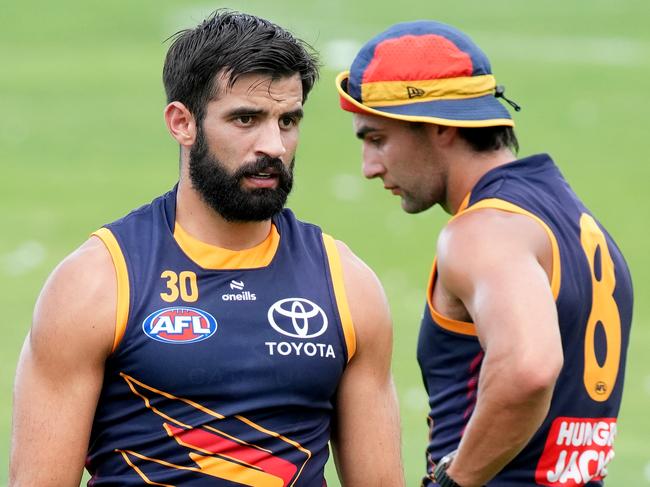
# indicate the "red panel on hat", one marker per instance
pixel 413 58
pixel 349 106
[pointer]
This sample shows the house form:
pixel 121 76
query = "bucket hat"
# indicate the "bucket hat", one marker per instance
pixel 424 71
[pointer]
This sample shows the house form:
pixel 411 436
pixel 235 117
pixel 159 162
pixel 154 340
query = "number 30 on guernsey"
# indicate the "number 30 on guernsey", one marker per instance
pixel 182 284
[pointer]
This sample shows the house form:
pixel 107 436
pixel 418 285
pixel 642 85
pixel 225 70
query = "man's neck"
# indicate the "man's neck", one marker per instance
pixel 202 222
pixel 465 171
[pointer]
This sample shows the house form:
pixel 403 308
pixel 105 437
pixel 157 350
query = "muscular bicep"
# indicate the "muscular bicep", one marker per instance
pixel 366 431
pixel 60 370
pixel 499 265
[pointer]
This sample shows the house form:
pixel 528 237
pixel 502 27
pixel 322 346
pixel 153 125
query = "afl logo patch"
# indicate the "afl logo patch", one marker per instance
pixel 179 325
pixel 297 318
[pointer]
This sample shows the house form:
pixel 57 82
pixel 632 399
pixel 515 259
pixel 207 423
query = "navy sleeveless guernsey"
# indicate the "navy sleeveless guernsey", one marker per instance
pixel 225 364
pixel 593 293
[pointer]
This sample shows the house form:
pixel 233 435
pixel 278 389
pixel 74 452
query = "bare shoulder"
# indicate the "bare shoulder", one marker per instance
pixel 477 244
pixel 478 229
pixel 77 306
pixel 487 234
pixel 367 300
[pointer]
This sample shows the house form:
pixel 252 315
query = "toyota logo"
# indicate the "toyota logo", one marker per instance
pixel 297 318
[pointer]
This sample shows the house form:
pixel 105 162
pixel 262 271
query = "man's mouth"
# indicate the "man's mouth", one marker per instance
pixel 393 189
pixel 267 178
pixel 262 175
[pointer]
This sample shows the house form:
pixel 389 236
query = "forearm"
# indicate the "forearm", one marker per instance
pixel 508 412
pixel 367 441
pixel 50 429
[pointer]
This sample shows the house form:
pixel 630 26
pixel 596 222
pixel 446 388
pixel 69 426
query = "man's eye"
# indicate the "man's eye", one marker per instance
pixel 287 122
pixel 245 119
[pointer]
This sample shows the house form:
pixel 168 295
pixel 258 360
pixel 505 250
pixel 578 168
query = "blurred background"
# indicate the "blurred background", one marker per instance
pixel 82 141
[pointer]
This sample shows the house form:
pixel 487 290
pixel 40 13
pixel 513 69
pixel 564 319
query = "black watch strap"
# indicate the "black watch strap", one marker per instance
pixel 444 480
pixel 440 472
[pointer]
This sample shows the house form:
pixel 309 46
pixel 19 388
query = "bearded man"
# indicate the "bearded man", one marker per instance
pixel 210 338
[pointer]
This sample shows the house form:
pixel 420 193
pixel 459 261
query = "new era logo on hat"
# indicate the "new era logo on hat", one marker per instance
pixel 423 71
pixel 414 92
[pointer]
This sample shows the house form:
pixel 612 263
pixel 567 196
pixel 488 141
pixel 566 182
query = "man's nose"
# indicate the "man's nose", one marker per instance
pixel 371 166
pixel 271 142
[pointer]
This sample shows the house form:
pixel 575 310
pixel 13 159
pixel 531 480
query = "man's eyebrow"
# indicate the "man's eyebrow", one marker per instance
pixel 297 114
pixel 252 111
pixel 242 111
pixel 364 130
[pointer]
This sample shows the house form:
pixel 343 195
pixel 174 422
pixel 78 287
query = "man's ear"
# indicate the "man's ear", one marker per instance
pixel 443 135
pixel 180 123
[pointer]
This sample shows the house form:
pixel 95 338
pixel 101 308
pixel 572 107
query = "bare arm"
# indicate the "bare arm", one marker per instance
pixel 503 283
pixel 366 437
pixel 60 370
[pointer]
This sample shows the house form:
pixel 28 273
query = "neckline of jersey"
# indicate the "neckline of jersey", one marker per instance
pixel 218 258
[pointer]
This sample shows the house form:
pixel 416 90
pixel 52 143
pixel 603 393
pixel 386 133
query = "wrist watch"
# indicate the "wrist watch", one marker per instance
pixel 440 472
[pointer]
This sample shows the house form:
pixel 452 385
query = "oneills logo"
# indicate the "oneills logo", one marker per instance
pixel 213 445
pixel 238 296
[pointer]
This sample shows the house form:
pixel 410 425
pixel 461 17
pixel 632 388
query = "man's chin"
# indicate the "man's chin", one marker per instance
pixel 249 218
pixel 250 213
pixel 412 207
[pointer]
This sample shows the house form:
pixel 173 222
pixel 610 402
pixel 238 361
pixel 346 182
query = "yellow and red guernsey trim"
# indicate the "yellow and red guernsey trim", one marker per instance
pixel 222 455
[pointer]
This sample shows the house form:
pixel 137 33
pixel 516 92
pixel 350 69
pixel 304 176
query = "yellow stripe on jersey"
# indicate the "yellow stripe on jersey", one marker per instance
pixel 140 472
pixel 462 327
pixel 240 472
pixel 336 270
pixel 122 315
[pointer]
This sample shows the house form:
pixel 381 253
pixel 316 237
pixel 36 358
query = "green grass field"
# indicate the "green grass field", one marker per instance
pixel 82 141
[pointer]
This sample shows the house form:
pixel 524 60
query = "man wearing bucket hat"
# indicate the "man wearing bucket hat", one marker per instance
pixel 525 331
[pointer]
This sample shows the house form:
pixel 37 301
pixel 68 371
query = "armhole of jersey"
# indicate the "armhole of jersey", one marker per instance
pixel 466 328
pixel 499 204
pixel 122 315
pixel 461 327
pixel 336 271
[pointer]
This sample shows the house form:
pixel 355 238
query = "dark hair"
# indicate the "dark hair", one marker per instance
pixel 233 44
pixel 483 139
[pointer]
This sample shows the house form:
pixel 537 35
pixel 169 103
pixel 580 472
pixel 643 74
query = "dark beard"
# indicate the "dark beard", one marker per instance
pixel 223 192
